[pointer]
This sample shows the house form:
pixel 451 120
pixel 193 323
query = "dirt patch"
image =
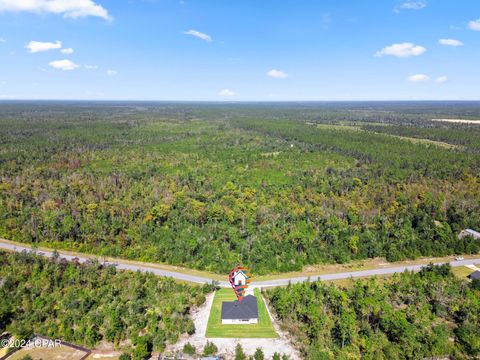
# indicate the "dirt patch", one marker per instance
pixel 106 356
pixel 459 121
pixel 61 352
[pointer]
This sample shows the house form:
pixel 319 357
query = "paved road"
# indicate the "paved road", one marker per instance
pixel 267 283
pixel 119 265
pixel 359 274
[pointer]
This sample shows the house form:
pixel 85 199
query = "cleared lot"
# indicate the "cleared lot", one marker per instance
pixel 459 121
pixel 215 329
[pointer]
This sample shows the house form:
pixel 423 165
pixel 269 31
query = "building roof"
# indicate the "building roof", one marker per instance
pixel 245 309
pixel 475 275
pixel 472 232
pixel 238 273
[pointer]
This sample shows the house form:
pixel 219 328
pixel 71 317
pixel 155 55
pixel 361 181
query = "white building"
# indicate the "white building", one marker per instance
pixel 469 232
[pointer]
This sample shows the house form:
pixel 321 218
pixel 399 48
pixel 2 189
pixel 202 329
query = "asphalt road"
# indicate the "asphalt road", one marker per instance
pixel 268 283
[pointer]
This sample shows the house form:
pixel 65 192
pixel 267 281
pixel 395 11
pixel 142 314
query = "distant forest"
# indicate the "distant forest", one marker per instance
pixel 271 186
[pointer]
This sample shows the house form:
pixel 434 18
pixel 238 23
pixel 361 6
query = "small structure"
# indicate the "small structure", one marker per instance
pixel 240 312
pixel 239 277
pixel 469 232
pixel 475 275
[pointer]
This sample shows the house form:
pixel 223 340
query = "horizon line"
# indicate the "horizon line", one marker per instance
pixel 5 100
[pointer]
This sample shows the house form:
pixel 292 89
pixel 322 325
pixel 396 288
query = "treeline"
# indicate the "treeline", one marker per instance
pixel 429 314
pixel 467 135
pixel 88 303
pixel 388 158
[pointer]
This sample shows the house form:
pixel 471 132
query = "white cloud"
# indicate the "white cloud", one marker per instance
pixel 91 67
pixel 441 79
pixel 67 8
pixel 411 5
pixel 403 50
pixel 2 40
pixel 38 46
pixel 474 25
pixel 111 72
pixel 67 51
pixel 418 78
pixel 450 42
pixel 63 64
pixel 277 74
pixel 227 93
pixel 199 35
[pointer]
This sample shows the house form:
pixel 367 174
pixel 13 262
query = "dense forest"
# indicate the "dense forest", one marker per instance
pixel 271 186
pixel 87 303
pixel 424 315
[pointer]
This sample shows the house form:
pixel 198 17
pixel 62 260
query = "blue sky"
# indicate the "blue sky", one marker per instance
pixel 240 50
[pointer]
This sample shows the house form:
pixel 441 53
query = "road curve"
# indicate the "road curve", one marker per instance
pixel 204 280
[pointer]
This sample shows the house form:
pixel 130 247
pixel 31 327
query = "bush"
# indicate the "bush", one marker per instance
pixel 124 356
pixel 21 331
pixel 189 349
pixel 259 354
pixel 190 327
pixel 475 284
pixel 210 348
pixel 239 354
pixel 142 349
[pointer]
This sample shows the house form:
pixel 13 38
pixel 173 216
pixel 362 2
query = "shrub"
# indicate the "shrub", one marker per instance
pixel 239 354
pixel 259 354
pixel 189 349
pixel 210 348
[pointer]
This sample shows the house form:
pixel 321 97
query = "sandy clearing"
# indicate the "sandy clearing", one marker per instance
pixel 113 355
pixel 425 141
pixel 48 353
pixel 226 347
pixel 460 121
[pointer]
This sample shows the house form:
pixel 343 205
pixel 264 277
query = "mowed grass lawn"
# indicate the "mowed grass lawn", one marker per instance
pixel 462 272
pixel 215 329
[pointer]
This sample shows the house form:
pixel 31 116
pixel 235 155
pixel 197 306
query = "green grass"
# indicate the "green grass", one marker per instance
pixel 462 272
pixel 215 329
